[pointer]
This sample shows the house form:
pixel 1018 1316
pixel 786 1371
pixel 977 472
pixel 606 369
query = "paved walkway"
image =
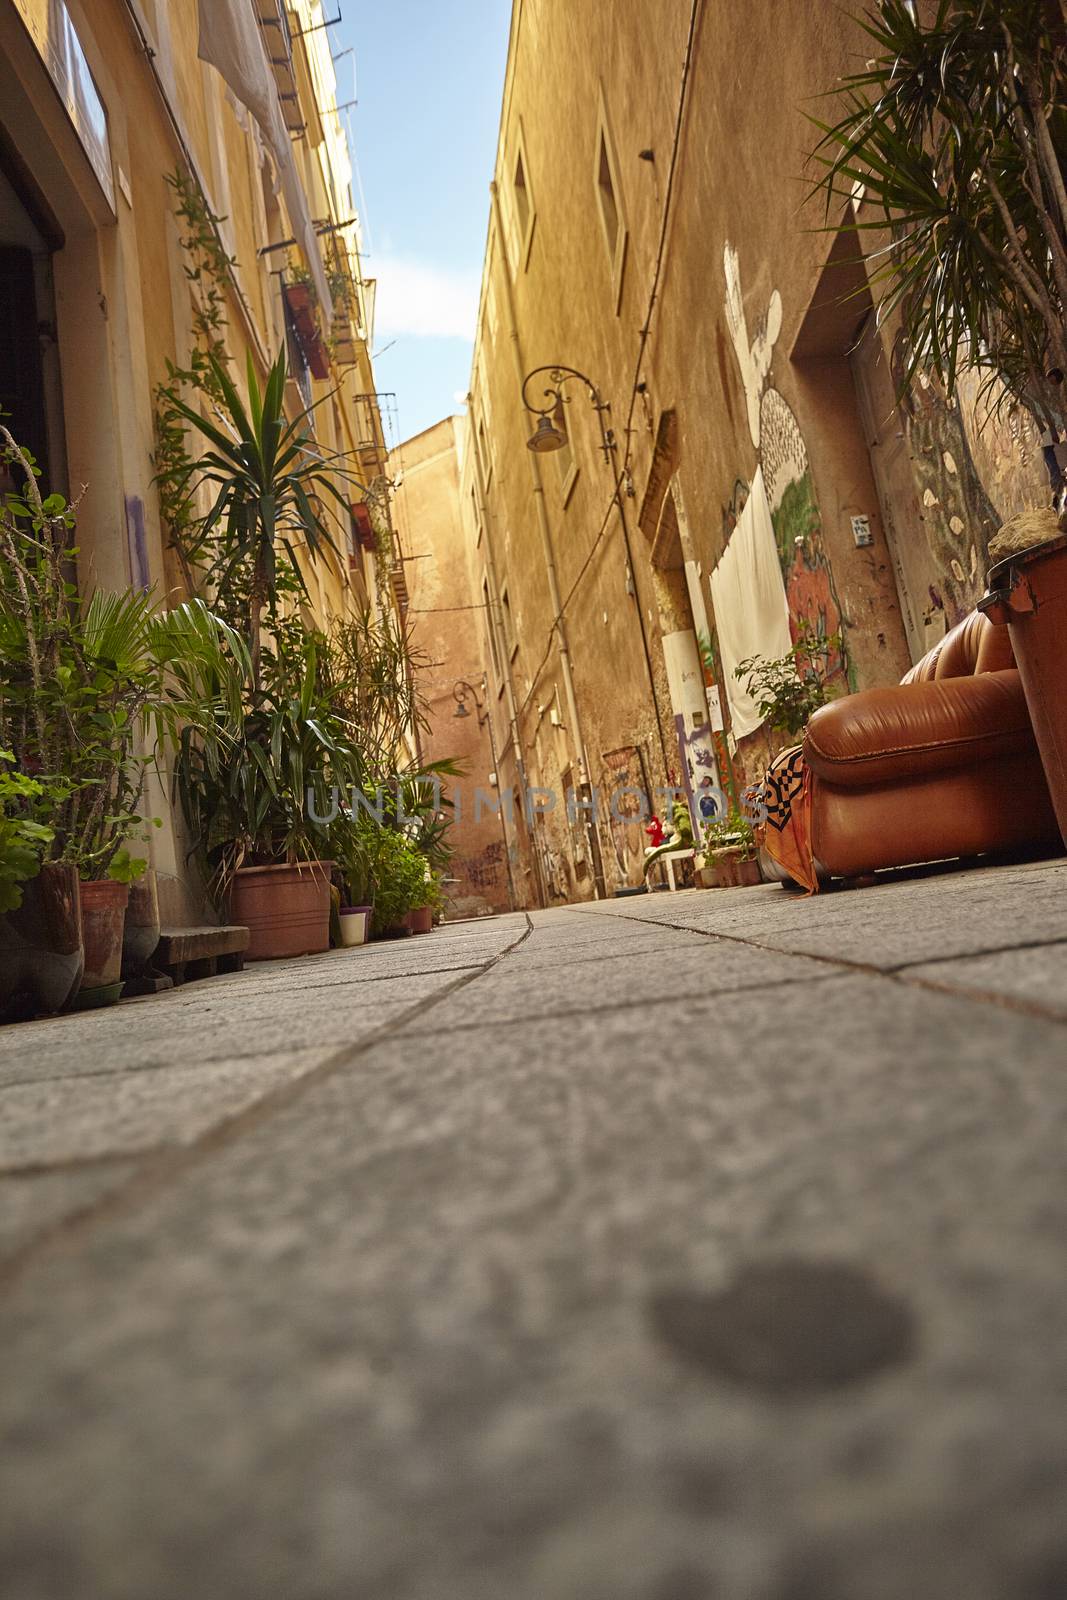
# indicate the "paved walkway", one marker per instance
pixel 694 1247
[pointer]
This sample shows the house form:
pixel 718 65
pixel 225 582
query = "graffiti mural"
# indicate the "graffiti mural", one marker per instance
pixel 625 775
pixel 958 515
pixel 783 456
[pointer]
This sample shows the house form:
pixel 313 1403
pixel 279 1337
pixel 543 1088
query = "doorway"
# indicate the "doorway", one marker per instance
pixel 30 399
pixel 902 515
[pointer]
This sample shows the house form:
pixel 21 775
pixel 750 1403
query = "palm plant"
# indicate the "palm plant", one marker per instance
pixel 955 135
pixel 270 480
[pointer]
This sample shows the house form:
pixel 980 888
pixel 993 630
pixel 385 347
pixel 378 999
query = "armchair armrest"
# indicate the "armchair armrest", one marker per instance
pixel 917 729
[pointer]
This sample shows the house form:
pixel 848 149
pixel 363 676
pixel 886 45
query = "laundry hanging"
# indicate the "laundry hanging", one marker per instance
pixel 751 610
pixel 231 41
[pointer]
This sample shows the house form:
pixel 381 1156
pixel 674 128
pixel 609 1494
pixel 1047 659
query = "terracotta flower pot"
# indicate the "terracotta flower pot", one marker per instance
pixel 286 909
pixel 41 951
pixel 421 919
pixel 103 918
pixel 140 934
pixel 1028 591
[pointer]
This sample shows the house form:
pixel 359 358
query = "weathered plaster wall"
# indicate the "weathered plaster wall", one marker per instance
pixel 445 628
pixel 755 317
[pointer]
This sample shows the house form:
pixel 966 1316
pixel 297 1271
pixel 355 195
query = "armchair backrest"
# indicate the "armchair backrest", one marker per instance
pixel 972 646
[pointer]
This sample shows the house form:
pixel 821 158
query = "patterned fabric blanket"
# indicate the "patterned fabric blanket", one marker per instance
pixel 783 827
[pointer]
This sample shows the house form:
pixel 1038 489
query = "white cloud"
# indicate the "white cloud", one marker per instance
pixel 422 301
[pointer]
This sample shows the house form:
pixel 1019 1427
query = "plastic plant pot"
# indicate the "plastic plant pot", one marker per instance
pixel 355 926
pixel 1028 594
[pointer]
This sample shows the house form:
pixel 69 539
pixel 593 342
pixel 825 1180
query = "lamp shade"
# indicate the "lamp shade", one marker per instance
pixel 546 437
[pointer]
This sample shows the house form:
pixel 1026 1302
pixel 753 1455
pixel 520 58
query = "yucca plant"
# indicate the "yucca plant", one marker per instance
pixel 955 135
pixel 270 480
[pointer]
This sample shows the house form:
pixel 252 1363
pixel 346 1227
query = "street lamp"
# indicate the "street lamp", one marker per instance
pixel 547 436
pixel 462 691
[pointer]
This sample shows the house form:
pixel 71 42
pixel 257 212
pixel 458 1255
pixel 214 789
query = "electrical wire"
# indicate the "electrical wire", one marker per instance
pixel 687 64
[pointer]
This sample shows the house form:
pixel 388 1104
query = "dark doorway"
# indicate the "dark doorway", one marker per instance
pixel 22 392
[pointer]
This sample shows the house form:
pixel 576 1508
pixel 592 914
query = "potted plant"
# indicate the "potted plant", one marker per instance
pixel 732 853
pixel 246 800
pixel 352 860
pixel 92 688
pixel 790 688
pixel 399 878
pixel 40 914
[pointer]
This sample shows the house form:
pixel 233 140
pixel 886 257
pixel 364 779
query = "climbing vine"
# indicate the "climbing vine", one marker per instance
pixel 209 271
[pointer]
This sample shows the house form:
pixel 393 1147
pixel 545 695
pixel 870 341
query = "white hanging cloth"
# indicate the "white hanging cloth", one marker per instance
pixel 231 41
pixel 751 609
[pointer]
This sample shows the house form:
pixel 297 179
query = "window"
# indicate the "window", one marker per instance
pixel 510 641
pixel 485 458
pixel 523 211
pixel 609 204
pixel 568 467
pixel 490 624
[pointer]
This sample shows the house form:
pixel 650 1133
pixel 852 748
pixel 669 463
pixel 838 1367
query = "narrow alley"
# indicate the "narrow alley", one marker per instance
pixel 688 1246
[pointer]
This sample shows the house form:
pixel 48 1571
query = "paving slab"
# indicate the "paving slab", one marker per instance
pixel 33 1204
pixel 744 1295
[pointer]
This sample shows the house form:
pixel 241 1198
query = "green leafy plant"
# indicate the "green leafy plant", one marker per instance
pixel 730 835
pixel 271 482
pixel 246 796
pixel 955 133
pixel 209 272
pixel 92 688
pixel 23 842
pixel 398 876
pixel 790 688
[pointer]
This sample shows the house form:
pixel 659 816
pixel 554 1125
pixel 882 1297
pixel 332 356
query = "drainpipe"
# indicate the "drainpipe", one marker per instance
pixel 509 685
pixel 584 775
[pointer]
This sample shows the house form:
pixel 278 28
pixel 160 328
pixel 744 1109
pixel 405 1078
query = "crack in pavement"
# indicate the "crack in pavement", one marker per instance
pixel 901 974
pixel 164 1163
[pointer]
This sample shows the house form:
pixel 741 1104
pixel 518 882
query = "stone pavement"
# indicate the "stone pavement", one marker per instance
pixel 709 1246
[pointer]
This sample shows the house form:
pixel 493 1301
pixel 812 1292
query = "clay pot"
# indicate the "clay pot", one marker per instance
pixel 420 919
pixel 141 931
pixel 286 909
pixel 355 925
pixel 103 917
pixel 1028 592
pixel 41 952
pixel 729 871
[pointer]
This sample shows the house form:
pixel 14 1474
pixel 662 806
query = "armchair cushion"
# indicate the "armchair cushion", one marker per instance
pixel 917 729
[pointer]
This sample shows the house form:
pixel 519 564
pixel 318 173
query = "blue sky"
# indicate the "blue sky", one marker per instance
pixel 429 79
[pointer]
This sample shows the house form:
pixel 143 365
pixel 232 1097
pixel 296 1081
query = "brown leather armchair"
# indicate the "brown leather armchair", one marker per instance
pixel 943 765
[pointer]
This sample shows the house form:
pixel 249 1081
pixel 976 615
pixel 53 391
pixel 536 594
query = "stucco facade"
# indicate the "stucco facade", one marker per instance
pixel 668 257
pixel 445 629
pixel 99 102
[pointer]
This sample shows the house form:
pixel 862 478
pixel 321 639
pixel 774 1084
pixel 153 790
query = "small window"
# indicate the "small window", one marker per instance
pixel 565 462
pixel 610 204
pixel 510 641
pixel 609 211
pixel 523 210
pixel 485 458
pixel 490 624
pixel 522 197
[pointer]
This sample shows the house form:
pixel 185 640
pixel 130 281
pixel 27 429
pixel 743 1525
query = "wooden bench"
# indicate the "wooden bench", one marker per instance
pixel 185 954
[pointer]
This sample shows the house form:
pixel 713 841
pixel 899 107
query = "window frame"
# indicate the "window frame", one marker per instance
pixel 604 148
